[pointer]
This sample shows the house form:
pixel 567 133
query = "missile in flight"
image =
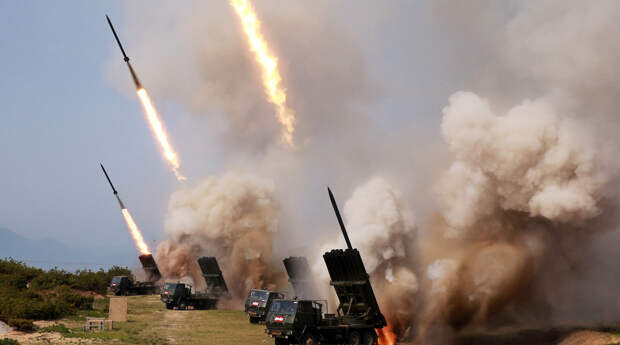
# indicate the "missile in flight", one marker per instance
pixel 133 73
pixel 337 211
pixel 113 189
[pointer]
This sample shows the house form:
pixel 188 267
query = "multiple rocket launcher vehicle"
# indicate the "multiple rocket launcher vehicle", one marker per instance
pixel 289 321
pixel 179 295
pixel 174 295
pixel 300 320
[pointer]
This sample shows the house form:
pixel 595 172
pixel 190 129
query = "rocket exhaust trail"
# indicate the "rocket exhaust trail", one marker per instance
pixel 133 228
pixel 276 94
pixel 152 116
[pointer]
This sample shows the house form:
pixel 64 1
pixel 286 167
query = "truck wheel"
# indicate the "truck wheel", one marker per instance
pixel 354 338
pixel 369 338
pixel 253 319
pixel 280 341
pixel 309 339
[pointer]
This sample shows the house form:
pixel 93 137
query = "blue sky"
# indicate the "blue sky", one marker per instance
pixel 60 118
pixel 68 103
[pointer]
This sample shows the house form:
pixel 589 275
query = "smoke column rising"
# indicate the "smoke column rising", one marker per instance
pixel 233 218
pixel 521 218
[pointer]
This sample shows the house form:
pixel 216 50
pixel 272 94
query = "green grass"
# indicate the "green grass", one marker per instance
pixel 149 322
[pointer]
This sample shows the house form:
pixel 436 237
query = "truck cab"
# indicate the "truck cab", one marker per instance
pixel 288 321
pixel 258 303
pixel 120 285
pixel 174 294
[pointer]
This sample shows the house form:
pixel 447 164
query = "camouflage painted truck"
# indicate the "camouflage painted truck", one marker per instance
pixel 307 321
pixel 127 286
pixel 180 295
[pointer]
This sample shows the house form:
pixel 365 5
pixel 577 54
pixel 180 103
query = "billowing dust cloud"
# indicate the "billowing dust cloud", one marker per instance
pixel 529 160
pixel 520 180
pixel 516 227
pixel 232 217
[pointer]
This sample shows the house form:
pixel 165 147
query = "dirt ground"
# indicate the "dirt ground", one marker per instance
pixel 149 323
pixel 550 336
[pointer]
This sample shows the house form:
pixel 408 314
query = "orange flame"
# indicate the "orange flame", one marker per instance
pixel 135 232
pixel 386 336
pixel 269 63
pixel 160 133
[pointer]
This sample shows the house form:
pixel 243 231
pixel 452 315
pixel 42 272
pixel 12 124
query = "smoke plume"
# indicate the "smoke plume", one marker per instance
pixel 515 207
pixel 529 198
pixel 233 218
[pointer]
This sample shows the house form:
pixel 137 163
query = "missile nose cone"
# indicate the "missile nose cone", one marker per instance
pixel 117 39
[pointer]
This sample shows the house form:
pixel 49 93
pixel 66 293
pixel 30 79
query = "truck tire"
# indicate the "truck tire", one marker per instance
pixel 169 306
pixel 354 338
pixel 369 337
pixel 309 339
pixel 254 319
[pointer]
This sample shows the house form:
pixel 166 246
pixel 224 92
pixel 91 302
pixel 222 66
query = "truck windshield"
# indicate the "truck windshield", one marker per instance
pixel 258 294
pixel 170 286
pixel 283 307
pixel 116 280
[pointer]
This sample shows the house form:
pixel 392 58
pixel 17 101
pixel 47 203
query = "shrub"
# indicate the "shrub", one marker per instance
pixel 32 293
pixel 51 279
pixel 21 324
pixel 7 341
pixel 68 296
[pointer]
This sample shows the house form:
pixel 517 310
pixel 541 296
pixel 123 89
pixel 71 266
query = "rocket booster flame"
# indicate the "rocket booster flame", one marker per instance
pixel 386 336
pixel 133 228
pixel 160 133
pixel 135 232
pixel 269 64
pixel 151 114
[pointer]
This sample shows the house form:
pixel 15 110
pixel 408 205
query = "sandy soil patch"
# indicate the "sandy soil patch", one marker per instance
pixel 590 338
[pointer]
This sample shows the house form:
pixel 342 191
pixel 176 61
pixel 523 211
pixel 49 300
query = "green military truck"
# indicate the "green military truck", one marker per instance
pixel 126 285
pixel 180 296
pixel 258 303
pixel 307 321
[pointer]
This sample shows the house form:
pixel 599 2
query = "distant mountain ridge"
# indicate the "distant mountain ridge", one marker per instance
pixel 48 253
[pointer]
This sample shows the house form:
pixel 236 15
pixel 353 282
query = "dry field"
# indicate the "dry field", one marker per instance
pixel 149 322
